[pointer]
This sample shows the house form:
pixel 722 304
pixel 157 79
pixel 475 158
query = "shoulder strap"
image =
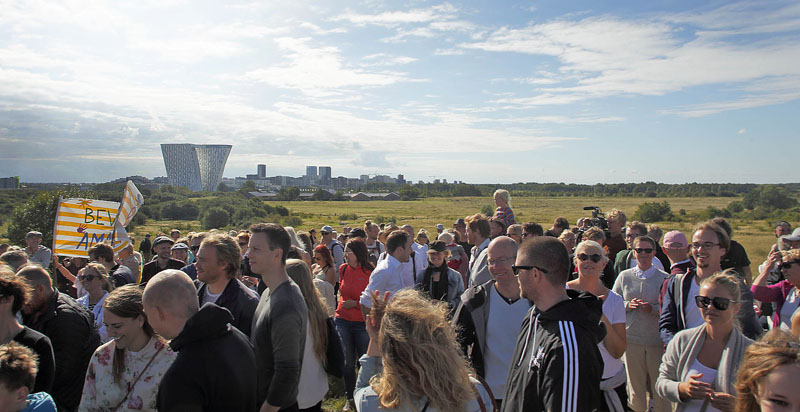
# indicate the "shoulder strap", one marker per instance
pixel 427 402
pixel 133 385
pixel 478 395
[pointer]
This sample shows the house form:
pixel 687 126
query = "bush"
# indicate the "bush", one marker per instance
pixel 653 212
pixel 487 210
pixel 39 213
pixel 183 210
pixel 348 216
pixel 769 197
pixel 216 218
pixel 712 212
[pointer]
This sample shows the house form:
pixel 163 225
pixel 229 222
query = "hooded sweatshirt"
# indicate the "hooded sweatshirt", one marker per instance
pixel 215 367
pixel 556 364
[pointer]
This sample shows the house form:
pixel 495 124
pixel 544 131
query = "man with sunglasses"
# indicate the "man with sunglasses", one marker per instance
pixel 709 244
pixel 194 246
pixel 556 364
pixel 625 259
pixel 489 316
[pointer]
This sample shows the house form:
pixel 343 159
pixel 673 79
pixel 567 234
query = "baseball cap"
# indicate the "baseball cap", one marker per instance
pixel 781 222
pixel 326 229
pixel 794 237
pixel 33 233
pixel 437 246
pixel 460 222
pixel 439 226
pixel 179 246
pixel 675 240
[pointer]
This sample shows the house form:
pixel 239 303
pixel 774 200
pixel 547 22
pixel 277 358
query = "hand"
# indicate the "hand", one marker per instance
pixel 633 304
pixel 722 401
pixel 375 316
pixel 248 281
pixel 349 304
pixel 694 388
pixel 773 258
pixel 757 309
pixel 644 306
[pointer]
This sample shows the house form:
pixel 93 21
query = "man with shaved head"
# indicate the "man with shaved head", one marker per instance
pixel 489 316
pixel 215 366
pixel 70 327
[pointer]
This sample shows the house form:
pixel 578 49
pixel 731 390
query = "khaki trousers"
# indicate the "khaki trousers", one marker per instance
pixel 641 363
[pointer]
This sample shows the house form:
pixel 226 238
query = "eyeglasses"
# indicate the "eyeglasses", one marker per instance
pixel 526 235
pixel 718 302
pixel 631 234
pixel 788 265
pixel 643 250
pixel 583 257
pixel 87 277
pixel 499 261
pixel 707 245
pixel 516 269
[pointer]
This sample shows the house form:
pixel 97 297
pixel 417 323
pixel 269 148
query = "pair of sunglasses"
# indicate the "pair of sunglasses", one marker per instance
pixel 87 277
pixel 583 257
pixel 718 302
pixel 788 265
pixel 644 250
pixel 516 269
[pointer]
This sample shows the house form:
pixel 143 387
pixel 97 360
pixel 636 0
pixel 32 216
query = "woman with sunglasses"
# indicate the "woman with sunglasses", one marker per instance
pixel 323 265
pixel 640 287
pixel 353 279
pixel 698 369
pixel 440 282
pixel 590 260
pixel 124 373
pixel 94 279
pixel 785 294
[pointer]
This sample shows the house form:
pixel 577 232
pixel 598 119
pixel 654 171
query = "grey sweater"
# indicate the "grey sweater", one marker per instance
pixel 641 327
pixel 682 352
pixel 279 337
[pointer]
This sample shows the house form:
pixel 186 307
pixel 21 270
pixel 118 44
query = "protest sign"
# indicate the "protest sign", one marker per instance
pixel 82 223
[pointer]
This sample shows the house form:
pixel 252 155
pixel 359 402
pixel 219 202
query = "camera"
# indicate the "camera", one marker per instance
pixel 598 219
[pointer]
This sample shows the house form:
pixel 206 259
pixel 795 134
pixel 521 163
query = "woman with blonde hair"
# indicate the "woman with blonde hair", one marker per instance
pixel 94 279
pixel 125 372
pixel 786 293
pixel 413 362
pixel 769 373
pixel 503 212
pixel 698 369
pixel 439 281
pixel 313 383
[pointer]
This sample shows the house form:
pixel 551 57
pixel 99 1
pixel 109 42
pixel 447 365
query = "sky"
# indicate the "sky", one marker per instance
pixel 482 92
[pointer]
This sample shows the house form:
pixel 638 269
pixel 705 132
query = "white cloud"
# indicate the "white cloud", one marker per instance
pixel 742 131
pixel 319 71
pixel 393 18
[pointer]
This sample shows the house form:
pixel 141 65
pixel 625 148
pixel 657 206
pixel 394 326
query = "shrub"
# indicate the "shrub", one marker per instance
pixel 653 212
pixel 348 216
pixel 216 218
pixel 487 210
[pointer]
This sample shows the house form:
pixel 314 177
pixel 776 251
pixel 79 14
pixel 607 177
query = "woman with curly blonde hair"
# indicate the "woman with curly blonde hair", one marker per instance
pixel 769 373
pixel 413 361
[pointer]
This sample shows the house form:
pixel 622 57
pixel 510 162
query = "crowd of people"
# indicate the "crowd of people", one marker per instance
pixel 489 314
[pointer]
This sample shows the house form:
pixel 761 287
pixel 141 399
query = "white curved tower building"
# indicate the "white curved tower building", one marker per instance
pixel 198 167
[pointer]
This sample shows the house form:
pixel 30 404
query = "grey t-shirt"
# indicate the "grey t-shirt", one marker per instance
pixel 278 337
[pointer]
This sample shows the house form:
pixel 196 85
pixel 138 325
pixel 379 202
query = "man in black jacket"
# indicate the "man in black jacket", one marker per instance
pixel 71 330
pixel 215 366
pixel 556 364
pixel 218 260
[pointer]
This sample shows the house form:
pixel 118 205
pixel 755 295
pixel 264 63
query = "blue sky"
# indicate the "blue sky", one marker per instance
pixel 545 91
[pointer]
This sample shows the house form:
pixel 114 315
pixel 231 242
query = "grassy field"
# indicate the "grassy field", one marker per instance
pixel 756 236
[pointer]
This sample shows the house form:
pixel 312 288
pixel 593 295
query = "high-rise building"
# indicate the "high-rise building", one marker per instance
pixel 324 174
pixel 198 167
pixel 262 171
pixel 311 171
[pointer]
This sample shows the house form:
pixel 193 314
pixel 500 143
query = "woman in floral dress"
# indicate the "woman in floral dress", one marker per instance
pixel 124 373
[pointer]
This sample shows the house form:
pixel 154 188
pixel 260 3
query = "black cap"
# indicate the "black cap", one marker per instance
pixel 358 233
pixel 460 221
pixel 437 246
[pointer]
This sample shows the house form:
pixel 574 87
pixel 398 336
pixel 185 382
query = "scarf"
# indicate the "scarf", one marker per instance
pixel 436 290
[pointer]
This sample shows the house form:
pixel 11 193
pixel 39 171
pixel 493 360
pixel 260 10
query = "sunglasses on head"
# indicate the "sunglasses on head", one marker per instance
pixel 643 250
pixel 87 277
pixel 583 257
pixel 718 302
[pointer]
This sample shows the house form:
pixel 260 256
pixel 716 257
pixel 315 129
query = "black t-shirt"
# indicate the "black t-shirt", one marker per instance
pixel 41 346
pixel 736 258
pixel 151 269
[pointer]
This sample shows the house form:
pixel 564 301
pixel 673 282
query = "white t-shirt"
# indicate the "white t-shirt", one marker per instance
pixel 313 383
pixel 787 310
pixel 614 309
pixel 709 375
pixel 210 297
pixel 502 329
pixel 692 315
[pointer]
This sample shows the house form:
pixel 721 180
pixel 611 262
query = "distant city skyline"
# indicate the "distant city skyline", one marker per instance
pixel 484 92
